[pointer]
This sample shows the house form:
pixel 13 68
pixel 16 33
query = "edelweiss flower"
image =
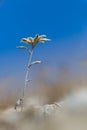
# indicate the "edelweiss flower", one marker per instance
pixel 34 41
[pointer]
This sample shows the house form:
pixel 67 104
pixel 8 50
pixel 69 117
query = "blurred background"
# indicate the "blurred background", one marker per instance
pixel 64 59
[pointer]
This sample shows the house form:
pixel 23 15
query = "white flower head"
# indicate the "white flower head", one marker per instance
pixel 34 41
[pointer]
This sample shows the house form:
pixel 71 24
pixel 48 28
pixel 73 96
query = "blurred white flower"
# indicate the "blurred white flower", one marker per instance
pixel 34 41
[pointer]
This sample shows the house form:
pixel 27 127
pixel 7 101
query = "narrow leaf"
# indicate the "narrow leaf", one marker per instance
pixel 33 63
pixel 42 36
pixel 23 47
pixel 28 80
pixel 45 39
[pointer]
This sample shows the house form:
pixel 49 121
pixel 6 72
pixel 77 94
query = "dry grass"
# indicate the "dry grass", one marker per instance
pixel 47 93
pixel 38 115
pixel 48 117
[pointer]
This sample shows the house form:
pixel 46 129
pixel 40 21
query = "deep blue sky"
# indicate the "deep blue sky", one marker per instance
pixel 64 21
pixel 56 18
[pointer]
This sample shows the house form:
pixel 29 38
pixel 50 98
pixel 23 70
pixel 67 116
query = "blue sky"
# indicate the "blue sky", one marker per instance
pixel 64 21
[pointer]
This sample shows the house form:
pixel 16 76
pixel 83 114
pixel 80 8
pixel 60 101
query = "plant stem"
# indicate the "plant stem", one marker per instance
pixel 26 79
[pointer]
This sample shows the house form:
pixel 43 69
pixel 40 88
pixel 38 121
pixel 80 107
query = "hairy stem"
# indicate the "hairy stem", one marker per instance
pixel 26 79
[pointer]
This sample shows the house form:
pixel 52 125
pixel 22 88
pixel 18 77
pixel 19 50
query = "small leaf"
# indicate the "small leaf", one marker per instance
pixel 23 47
pixel 28 80
pixel 33 63
pixel 27 41
pixel 43 35
pixel 45 39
